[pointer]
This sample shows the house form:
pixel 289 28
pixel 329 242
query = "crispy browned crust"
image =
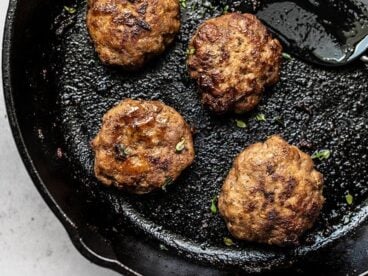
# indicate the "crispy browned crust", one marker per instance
pixel 130 32
pixel 136 146
pixel 272 194
pixel 234 58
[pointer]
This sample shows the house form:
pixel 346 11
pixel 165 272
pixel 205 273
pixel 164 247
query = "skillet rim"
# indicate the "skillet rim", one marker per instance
pixel 67 223
pixel 71 228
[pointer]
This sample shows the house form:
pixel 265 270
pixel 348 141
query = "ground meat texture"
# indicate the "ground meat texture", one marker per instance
pixel 233 58
pixel 272 193
pixel 142 146
pixel 130 32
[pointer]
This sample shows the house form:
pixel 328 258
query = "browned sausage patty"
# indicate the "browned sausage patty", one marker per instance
pixel 130 32
pixel 142 146
pixel 232 58
pixel 272 194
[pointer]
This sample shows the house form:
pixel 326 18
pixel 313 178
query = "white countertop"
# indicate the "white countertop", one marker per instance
pixel 32 240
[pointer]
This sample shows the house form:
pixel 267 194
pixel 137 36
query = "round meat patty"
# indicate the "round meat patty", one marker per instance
pixel 233 58
pixel 272 194
pixel 130 32
pixel 142 146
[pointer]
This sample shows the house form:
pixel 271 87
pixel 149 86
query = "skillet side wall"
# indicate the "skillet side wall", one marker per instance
pixel 41 68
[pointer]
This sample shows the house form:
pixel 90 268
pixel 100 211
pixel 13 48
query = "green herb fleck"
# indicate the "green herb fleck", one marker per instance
pixel 183 3
pixel 321 154
pixel 180 146
pixel 191 51
pixel 121 152
pixel 194 6
pixel 279 120
pixel 228 241
pixel 163 247
pixel 208 6
pixel 168 182
pixel 261 117
pixel 70 10
pixel 349 199
pixel 240 123
pixel 226 9
pixel 286 56
pixel 213 205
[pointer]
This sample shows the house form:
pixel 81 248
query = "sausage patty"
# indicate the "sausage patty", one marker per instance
pixel 130 32
pixel 233 58
pixel 272 193
pixel 142 146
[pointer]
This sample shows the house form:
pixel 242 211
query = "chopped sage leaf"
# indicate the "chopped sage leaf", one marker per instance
pixel 240 123
pixel 163 247
pixel 213 205
pixel 183 3
pixel 70 10
pixel 194 6
pixel 261 117
pixel 121 151
pixel 321 154
pixel 286 56
pixel 191 51
pixel 168 182
pixel 180 146
pixel 349 199
pixel 226 9
pixel 279 120
pixel 228 241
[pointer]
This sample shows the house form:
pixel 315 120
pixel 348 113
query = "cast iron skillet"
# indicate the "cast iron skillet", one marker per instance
pixel 56 92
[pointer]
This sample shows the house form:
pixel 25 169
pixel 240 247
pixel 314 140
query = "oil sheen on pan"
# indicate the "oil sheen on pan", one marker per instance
pixel 327 32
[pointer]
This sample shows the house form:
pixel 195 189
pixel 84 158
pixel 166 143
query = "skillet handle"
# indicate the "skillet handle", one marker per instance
pixel 95 248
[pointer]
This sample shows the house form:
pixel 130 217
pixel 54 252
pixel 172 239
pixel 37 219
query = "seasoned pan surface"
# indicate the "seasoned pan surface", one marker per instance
pixel 69 91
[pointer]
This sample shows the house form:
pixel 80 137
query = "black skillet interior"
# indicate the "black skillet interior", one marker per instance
pixel 57 91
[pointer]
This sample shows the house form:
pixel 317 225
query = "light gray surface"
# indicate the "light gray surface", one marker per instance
pixel 32 240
